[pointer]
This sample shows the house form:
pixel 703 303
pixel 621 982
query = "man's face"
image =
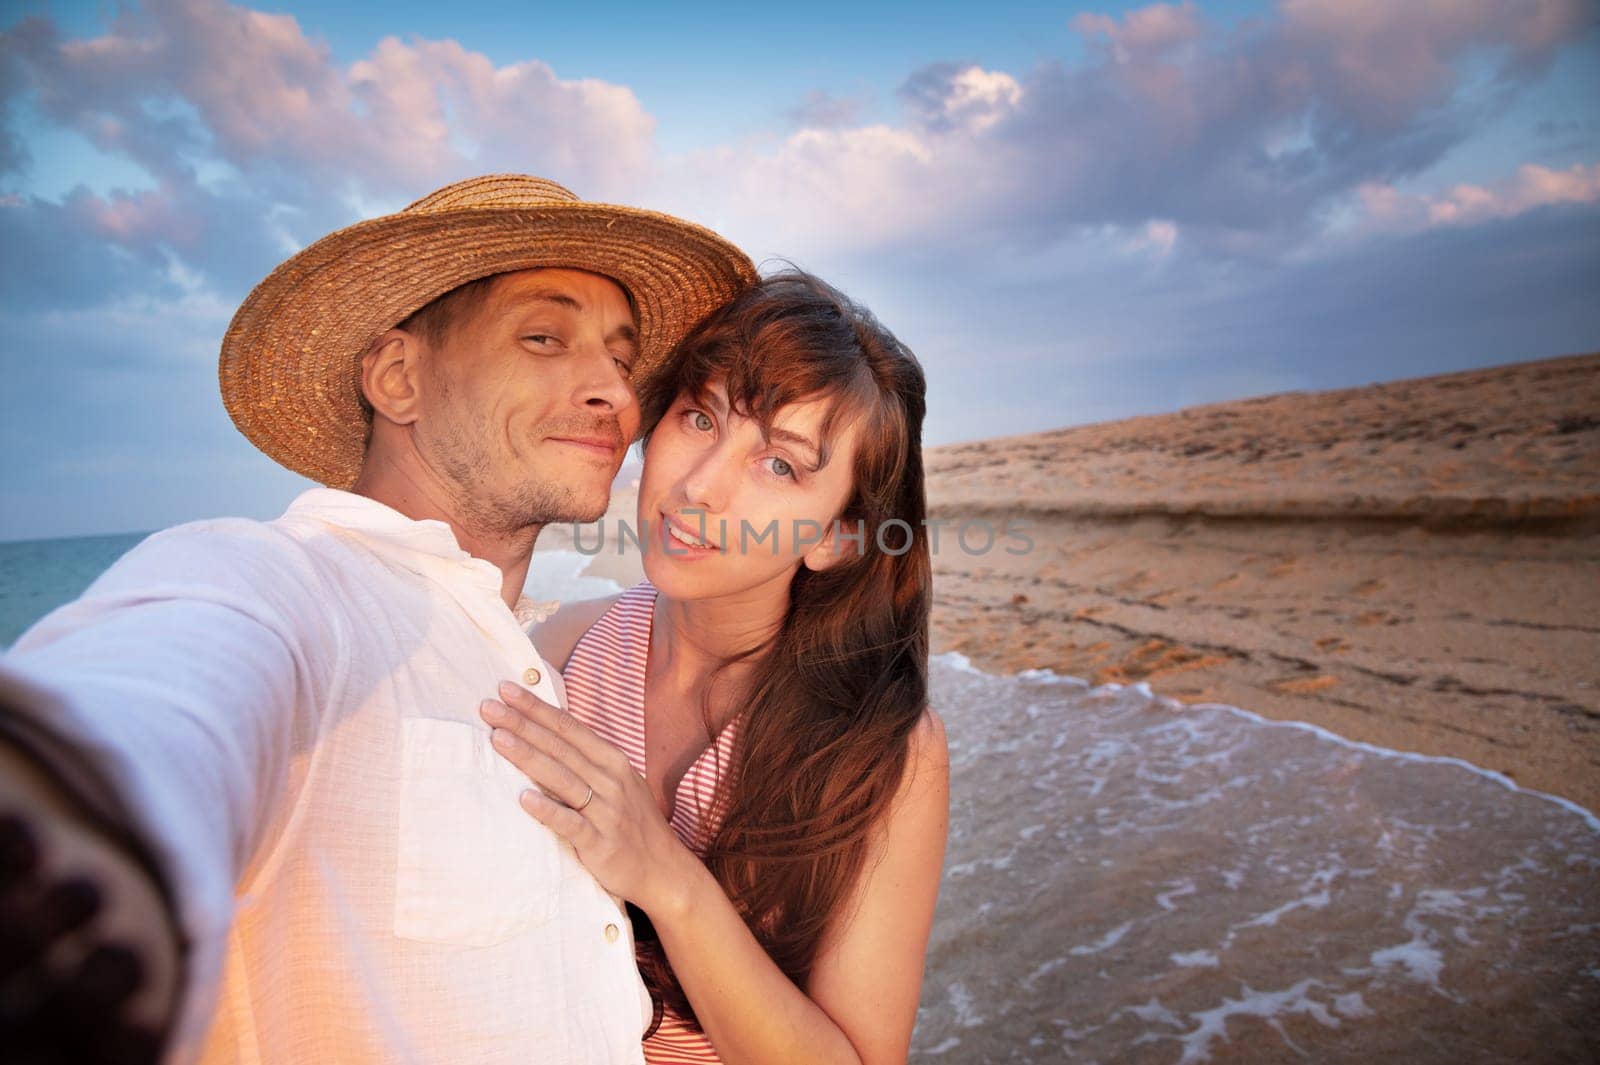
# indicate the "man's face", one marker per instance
pixel 526 408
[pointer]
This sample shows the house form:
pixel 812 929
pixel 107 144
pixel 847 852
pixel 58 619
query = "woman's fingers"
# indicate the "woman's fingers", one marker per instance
pixel 564 821
pixel 532 708
pixel 539 735
pixel 549 773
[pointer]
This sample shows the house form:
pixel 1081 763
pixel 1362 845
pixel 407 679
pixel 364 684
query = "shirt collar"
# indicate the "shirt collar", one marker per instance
pixel 419 545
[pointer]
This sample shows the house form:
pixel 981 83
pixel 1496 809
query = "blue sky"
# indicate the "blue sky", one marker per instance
pixel 1072 213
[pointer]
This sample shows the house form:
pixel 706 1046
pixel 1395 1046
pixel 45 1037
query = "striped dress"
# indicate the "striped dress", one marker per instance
pixel 605 690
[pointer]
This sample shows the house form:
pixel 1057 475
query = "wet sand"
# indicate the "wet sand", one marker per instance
pixel 1414 565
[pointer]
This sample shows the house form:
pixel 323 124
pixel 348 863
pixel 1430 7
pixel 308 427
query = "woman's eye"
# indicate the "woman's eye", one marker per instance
pixel 700 420
pixel 782 468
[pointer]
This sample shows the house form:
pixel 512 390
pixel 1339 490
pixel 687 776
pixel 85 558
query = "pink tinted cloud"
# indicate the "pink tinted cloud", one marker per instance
pixel 258 140
pixel 824 190
pixel 1379 61
pixel 1244 137
pixel 1530 188
pixel 1239 137
pixel 1143 32
pixel 406 118
pixel 132 219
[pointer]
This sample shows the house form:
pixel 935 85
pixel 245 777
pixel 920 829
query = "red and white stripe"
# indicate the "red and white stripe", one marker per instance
pixel 605 690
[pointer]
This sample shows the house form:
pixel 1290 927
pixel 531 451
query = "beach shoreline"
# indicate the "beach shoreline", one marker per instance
pixel 1413 565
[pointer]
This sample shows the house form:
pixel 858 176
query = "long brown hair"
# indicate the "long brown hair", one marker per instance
pixel 833 698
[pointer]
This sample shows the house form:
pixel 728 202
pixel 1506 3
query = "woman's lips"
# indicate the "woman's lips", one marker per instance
pixel 679 547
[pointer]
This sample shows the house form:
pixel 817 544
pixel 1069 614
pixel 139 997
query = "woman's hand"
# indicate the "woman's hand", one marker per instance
pixel 592 798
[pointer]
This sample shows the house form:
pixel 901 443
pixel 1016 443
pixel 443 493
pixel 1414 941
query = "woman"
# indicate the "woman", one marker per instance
pixel 750 759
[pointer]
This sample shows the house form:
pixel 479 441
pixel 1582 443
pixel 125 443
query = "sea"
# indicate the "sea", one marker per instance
pixel 1133 880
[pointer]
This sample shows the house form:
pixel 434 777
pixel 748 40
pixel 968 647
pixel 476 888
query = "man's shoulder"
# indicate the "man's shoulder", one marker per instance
pixel 239 552
pixel 226 536
pixel 240 566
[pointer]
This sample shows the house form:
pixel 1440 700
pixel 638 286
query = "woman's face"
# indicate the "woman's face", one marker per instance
pixel 757 503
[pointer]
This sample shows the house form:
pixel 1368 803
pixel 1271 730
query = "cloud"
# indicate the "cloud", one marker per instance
pixel 1243 138
pixel 435 107
pixel 820 110
pixel 1145 32
pixel 1158 237
pixel 258 141
pixel 1100 336
pixel 1246 138
pixel 55 256
pixel 1376 65
pixel 1532 187
pixel 949 98
pixel 252 89
pixel 114 422
pixel 1190 210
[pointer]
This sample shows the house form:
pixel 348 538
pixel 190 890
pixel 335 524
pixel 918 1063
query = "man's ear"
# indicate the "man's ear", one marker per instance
pixel 390 375
pixel 844 538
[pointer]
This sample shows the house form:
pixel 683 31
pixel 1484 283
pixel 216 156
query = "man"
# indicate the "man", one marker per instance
pixel 273 725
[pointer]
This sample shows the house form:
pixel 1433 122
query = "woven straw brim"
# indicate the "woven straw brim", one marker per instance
pixel 291 358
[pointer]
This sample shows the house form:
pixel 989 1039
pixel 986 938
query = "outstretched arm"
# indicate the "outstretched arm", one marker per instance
pixel 90 951
pixel 861 1001
pixel 178 677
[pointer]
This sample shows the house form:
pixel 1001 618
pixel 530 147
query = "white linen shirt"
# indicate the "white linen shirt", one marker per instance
pixel 291 709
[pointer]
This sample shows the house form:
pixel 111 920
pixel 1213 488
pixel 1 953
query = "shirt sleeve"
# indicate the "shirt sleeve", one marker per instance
pixel 189 673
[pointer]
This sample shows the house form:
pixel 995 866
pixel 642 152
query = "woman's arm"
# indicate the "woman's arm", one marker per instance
pixel 868 975
pixel 861 1001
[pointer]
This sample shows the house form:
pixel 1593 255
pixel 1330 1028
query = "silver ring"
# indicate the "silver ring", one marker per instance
pixel 587 799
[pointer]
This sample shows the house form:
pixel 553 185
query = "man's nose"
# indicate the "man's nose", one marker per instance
pixel 603 384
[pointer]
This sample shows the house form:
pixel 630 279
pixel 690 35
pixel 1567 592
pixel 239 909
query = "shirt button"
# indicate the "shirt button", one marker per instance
pixel 531 676
pixel 612 932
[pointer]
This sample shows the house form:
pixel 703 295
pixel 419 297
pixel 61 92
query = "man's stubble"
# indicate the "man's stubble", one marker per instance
pixel 497 494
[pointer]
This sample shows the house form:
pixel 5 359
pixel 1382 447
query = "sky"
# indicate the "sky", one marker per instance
pixel 1071 213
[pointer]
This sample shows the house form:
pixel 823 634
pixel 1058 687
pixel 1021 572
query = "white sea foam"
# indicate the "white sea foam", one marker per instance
pixel 1269 1006
pixel 1184 887
pixel 1422 963
pixel 1314 902
pixel 961 1006
pixel 1105 942
pixel 1123 873
pixel 1155 1013
pixel 961 662
pixel 1195 959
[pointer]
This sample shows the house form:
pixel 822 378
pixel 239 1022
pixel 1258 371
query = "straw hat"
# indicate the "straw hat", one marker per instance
pixel 291 359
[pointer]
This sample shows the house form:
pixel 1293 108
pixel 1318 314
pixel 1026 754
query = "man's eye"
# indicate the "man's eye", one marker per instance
pixel 540 338
pixel 700 420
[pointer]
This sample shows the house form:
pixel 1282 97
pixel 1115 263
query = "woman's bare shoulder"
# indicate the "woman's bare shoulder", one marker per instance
pixel 929 748
pixel 557 635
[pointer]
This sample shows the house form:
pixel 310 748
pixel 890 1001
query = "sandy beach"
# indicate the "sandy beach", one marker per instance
pixel 1414 564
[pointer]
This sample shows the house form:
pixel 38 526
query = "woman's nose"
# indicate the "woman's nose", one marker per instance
pixel 706 484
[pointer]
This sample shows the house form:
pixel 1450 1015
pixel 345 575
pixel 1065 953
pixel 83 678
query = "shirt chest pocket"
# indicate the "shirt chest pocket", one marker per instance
pixel 473 869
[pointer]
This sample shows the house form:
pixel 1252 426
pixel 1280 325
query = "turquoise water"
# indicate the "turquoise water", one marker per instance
pixel 36 576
